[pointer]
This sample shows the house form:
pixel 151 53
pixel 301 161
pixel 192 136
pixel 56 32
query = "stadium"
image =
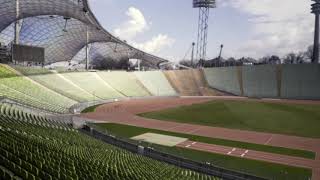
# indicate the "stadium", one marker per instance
pixel 77 122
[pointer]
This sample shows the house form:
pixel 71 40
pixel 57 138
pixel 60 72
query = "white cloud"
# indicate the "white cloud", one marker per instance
pixel 134 25
pixel 279 26
pixel 156 44
pixel 137 24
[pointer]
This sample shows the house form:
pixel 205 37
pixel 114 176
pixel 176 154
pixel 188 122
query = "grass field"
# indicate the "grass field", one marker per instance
pixel 90 109
pixel 264 169
pixel 291 119
pixel 131 131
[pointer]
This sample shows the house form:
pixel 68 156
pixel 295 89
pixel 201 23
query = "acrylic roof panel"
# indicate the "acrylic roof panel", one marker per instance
pixel 60 26
pixel 61 40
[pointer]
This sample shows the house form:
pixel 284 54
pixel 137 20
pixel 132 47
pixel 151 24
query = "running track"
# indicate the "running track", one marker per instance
pixel 124 112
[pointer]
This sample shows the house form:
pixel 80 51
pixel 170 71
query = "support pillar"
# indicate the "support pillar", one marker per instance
pixel 316 10
pixel 17 23
pixel 87 48
pixel 139 64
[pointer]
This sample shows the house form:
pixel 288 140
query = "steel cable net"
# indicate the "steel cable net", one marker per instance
pixel 61 26
pixel 100 51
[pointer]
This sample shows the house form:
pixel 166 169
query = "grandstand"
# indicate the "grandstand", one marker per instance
pixel 56 82
pixel 91 83
pixel 38 137
pixel 156 83
pixel 126 83
pixel 25 90
pixel 35 147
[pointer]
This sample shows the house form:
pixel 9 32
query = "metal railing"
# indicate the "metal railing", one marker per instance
pixel 169 158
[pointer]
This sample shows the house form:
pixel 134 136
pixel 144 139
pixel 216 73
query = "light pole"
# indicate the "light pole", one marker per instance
pixel 192 54
pixel 221 47
pixel 315 9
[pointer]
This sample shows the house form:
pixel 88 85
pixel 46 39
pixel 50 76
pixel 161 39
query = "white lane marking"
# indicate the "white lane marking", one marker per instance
pixel 234 149
pixel 188 146
pixel 177 126
pixel 194 131
pixel 194 143
pixel 269 140
pixel 246 152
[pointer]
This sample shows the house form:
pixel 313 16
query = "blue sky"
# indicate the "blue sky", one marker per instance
pixel 246 27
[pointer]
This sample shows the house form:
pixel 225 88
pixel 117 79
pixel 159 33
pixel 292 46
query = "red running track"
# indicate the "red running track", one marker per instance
pixel 124 112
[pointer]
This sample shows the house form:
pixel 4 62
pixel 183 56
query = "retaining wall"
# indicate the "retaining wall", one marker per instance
pixel 224 79
pixel 260 81
pixel 295 81
pixel 300 81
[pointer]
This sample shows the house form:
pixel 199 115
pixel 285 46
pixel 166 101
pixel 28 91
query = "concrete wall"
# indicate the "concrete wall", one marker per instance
pixel 300 81
pixel 260 81
pixel 224 79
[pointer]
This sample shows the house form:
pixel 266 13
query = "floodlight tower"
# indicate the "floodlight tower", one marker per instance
pixel 315 9
pixel 204 7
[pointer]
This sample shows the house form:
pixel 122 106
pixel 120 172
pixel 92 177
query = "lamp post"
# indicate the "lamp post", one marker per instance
pixel 315 9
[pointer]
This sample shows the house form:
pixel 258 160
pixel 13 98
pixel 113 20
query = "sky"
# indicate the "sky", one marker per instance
pixel 167 28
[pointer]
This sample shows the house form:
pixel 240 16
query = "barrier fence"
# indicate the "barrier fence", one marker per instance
pixel 169 158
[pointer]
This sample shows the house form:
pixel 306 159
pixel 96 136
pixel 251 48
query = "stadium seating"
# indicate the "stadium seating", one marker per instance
pixel 124 82
pixel 93 84
pixel 56 82
pixel 33 147
pixel 156 83
pixel 24 90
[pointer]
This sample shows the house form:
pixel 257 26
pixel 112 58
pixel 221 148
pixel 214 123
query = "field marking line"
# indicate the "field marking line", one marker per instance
pixel 269 140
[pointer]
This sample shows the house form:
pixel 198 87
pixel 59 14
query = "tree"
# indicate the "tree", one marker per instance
pixel 293 58
pixel 274 60
pixel 309 53
pixel 264 60
pixel 289 58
